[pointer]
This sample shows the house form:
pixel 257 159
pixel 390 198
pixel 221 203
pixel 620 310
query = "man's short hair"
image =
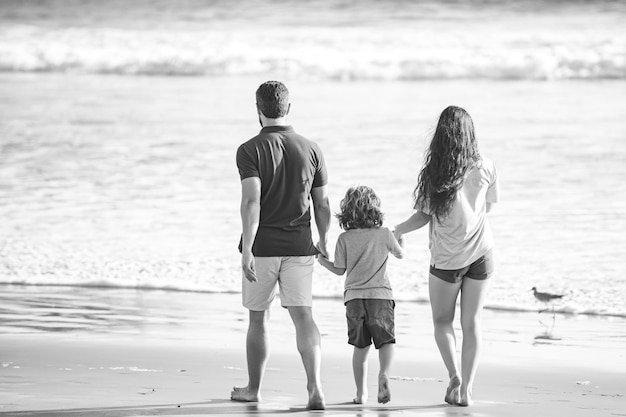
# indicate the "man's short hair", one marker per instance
pixel 272 99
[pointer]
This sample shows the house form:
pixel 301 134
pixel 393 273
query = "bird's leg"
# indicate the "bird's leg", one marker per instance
pixel 545 309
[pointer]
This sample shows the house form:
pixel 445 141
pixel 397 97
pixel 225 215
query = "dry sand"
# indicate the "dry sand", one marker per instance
pixel 163 365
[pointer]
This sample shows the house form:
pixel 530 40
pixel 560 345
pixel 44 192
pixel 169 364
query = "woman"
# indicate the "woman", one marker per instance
pixel 456 189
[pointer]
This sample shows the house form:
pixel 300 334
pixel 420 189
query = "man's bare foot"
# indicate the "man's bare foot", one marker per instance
pixel 316 401
pixel 384 394
pixel 244 394
pixel 452 393
pixel 360 398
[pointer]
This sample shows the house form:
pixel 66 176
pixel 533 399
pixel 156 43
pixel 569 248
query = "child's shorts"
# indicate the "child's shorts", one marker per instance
pixel 370 319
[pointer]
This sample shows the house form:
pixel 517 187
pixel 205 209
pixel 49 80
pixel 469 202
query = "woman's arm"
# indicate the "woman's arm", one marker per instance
pixel 418 220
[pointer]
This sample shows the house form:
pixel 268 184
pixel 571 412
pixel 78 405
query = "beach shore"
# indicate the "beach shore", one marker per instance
pixel 143 352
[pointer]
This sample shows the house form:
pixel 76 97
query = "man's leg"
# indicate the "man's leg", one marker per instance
pixel 257 297
pixel 309 345
pixel 257 352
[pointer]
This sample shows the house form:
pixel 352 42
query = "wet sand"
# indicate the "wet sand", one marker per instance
pixel 139 352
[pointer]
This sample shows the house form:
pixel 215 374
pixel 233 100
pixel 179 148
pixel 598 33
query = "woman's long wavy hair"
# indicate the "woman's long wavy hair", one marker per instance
pixel 453 150
pixel 360 209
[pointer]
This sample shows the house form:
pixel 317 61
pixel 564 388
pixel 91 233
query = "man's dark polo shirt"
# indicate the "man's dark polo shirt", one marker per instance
pixel 289 165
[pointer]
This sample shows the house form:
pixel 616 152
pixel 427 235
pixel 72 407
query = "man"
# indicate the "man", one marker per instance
pixel 281 172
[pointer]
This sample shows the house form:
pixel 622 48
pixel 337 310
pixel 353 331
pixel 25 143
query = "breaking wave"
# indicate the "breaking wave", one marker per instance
pixel 331 53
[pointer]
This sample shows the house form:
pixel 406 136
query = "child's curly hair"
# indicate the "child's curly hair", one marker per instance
pixel 360 209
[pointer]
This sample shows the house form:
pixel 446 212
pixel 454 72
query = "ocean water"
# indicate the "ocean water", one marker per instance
pixel 120 122
pixel 336 39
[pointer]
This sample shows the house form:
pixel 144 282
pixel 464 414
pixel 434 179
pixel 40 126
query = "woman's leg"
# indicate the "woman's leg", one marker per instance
pixel 359 368
pixel 443 297
pixel 472 300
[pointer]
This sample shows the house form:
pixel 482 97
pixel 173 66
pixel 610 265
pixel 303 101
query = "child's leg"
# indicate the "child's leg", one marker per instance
pixel 385 356
pixel 359 367
pixel 382 328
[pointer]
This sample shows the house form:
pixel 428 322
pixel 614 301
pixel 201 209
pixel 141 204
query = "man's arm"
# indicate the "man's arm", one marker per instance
pixel 321 208
pixel 250 214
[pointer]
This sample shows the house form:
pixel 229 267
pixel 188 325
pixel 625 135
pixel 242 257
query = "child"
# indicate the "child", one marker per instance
pixel 362 251
pixel 456 189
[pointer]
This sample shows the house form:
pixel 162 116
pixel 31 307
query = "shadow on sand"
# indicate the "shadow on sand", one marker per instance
pixel 233 408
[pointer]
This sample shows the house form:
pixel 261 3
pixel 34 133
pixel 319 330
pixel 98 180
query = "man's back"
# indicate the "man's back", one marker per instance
pixel 288 166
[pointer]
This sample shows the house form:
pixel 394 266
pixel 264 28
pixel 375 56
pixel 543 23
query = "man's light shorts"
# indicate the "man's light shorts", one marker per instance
pixel 294 276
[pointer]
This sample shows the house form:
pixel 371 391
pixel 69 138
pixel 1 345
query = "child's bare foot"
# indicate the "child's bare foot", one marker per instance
pixel 361 398
pixel 316 401
pixel 384 394
pixel 452 393
pixel 466 398
pixel 244 394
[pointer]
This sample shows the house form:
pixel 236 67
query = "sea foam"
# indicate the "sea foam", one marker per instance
pixel 318 53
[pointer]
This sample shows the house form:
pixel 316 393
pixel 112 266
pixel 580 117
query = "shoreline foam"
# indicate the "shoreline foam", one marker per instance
pixel 493 306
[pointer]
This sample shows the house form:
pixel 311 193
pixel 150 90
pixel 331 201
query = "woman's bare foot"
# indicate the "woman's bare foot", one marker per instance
pixel 466 398
pixel 244 394
pixel 452 393
pixel 361 398
pixel 384 394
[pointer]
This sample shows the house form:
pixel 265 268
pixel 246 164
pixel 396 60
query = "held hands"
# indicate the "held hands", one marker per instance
pixel 324 261
pixel 247 265
pixel 328 264
pixel 398 236
pixel 322 257
pixel 321 246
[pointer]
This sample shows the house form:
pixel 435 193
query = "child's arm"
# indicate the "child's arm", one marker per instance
pixel 326 263
pixel 397 246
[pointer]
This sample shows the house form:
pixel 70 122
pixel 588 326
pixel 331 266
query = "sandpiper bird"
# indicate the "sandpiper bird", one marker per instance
pixel 545 297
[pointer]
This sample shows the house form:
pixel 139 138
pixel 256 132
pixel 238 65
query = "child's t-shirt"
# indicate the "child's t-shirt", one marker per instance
pixel 364 254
